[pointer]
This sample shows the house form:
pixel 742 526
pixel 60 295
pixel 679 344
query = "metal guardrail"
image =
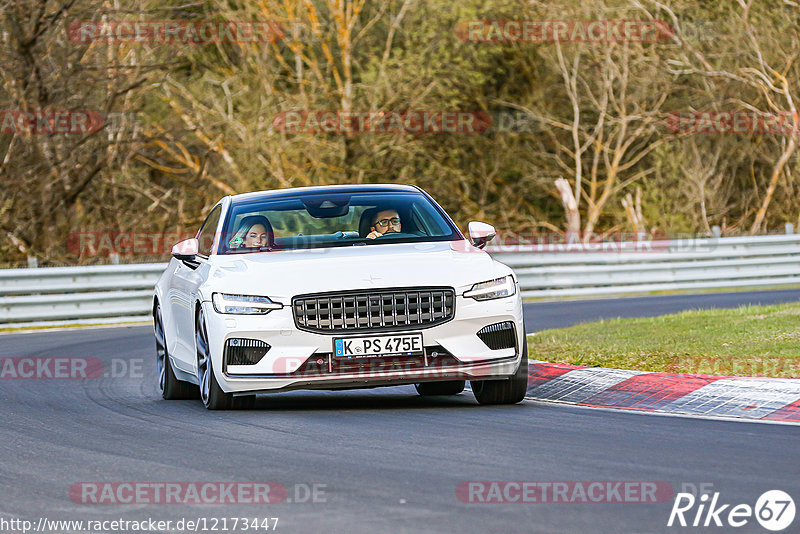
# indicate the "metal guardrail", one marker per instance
pixel 63 295
pixel 117 293
pixel 686 264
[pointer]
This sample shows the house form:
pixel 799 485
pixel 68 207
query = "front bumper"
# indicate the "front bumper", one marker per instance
pixel 302 360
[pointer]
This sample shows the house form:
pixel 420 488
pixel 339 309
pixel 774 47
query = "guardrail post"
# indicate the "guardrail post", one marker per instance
pixel 716 231
pixel 789 228
pixel 33 262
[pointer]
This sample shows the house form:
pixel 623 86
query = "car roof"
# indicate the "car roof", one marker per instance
pixel 302 191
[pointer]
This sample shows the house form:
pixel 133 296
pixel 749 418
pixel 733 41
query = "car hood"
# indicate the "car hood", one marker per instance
pixel 283 274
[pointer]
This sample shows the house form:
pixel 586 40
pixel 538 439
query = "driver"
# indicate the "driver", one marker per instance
pixel 253 232
pixel 384 222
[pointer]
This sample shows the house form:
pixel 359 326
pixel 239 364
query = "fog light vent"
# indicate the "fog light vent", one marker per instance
pixel 499 335
pixel 241 351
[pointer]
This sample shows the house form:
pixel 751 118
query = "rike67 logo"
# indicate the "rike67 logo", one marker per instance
pixel 774 510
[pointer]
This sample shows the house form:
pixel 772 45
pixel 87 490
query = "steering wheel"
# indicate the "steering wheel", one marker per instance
pixel 346 235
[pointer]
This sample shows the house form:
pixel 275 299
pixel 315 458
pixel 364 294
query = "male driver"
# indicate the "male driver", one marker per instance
pixel 384 222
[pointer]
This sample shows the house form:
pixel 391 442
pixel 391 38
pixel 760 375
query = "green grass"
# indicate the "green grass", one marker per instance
pixel 746 341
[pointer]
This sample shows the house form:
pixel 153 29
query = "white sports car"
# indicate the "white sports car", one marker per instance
pixel 337 287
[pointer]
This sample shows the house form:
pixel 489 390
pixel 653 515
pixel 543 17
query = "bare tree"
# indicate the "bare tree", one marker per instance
pixel 761 61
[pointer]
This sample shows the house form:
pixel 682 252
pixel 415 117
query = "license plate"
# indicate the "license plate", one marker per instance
pixel 372 346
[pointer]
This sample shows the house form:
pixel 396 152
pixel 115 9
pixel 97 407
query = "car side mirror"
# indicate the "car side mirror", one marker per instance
pixel 186 250
pixel 481 233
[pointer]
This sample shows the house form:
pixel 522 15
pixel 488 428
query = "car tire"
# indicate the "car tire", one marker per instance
pixel 171 388
pixel 508 391
pixel 210 393
pixel 450 387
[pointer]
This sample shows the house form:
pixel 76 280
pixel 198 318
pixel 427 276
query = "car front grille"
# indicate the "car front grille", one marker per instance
pixel 376 310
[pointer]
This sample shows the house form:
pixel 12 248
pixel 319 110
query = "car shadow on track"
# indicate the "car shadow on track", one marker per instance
pixel 379 399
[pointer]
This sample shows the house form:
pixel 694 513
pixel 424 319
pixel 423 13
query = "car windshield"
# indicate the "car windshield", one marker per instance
pixel 334 220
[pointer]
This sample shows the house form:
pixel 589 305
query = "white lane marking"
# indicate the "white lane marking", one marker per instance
pixel 729 419
pixel 738 397
pixel 581 384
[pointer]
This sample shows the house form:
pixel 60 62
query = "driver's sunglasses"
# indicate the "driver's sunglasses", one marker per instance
pixel 383 223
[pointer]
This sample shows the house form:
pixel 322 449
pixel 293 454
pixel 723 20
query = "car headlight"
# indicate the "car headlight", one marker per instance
pixel 493 289
pixel 243 304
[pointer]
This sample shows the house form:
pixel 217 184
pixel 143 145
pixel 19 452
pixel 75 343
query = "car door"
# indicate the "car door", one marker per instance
pixel 185 282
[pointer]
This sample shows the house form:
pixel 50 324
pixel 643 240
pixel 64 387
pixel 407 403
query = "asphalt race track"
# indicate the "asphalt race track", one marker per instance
pixel 382 460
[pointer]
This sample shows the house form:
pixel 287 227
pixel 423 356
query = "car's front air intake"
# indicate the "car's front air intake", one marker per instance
pixel 374 310
pixel 499 335
pixel 241 351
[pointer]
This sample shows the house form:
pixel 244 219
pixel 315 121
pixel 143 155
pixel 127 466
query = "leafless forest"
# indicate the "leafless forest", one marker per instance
pixel 593 145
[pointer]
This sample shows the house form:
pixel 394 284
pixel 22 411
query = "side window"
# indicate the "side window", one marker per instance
pixel 206 234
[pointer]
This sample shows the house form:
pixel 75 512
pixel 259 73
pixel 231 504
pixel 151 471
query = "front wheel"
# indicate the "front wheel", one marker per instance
pixel 171 388
pixel 210 393
pixel 508 391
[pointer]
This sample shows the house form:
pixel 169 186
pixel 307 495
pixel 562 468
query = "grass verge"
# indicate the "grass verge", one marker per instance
pixel 746 341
